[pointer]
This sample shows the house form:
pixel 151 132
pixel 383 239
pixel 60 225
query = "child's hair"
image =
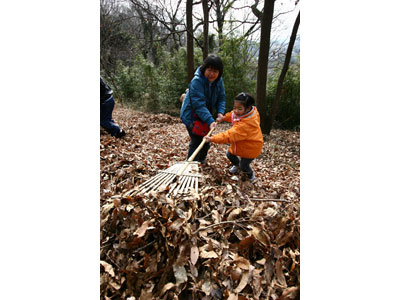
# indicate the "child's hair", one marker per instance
pixel 215 62
pixel 246 99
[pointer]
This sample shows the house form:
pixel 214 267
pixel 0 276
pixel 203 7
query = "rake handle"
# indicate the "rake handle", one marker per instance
pixel 191 158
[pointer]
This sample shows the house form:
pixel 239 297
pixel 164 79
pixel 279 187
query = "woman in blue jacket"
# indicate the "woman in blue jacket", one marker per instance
pixel 206 96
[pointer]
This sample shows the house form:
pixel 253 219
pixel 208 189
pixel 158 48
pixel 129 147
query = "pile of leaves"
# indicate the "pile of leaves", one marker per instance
pixel 232 240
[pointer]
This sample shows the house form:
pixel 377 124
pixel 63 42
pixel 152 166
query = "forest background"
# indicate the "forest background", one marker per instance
pixel 50 143
pixel 150 50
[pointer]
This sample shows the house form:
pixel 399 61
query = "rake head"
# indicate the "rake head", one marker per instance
pixel 180 183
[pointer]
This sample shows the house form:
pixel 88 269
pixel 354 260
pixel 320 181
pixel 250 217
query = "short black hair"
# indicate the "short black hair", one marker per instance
pixel 246 99
pixel 215 62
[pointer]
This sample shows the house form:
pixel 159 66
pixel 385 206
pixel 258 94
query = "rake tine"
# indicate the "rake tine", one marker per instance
pixel 158 182
pixel 188 184
pixel 177 188
pixel 165 181
pixel 192 183
pixel 172 189
pixel 185 180
pixel 170 179
pixel 182 189
pixel 151 181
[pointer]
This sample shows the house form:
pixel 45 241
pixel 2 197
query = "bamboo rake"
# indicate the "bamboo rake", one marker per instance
pixel 186 173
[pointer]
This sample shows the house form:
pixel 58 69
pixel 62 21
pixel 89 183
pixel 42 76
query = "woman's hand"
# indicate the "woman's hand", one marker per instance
pixel 213 125
pixel 207 138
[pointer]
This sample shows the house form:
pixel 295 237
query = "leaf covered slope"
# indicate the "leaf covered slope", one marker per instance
pixel 232 240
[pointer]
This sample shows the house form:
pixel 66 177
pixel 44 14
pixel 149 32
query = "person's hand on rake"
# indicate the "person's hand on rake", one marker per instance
pixel 220 118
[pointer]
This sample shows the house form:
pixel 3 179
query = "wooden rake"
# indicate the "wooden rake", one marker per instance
pixel 186 174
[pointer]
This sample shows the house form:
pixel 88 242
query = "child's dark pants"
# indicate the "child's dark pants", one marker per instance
pixel 106 120
pixel 195 141
pixel 243 163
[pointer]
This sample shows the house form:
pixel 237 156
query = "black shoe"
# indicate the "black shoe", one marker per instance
pixel 120 134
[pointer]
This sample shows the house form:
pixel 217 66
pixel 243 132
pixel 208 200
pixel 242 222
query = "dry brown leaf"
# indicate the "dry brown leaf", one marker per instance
pixel 290 293
pixel 194 254
pixel 259 235
pixel 234 213
pixel 242 263
pixel 279 274
pixel 243 282
pixel 208 254
pixel 232 296
pixel 167 287
pixel 246 243
pixel 146 295
pixel 180 274
pixel 261 261
pixel 176 225
pixel 142 229
pixel 128 162
pixel 236 273
pixel 206 287
pixel 114 284
pixel 108 268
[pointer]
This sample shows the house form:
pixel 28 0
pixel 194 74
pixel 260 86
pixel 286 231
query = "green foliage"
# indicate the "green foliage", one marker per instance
pixel 151 88
pixel 239 69
pixel 288 116
pixel 144 86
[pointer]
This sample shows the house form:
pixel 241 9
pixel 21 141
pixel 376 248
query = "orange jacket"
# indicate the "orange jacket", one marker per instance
pixel 245 135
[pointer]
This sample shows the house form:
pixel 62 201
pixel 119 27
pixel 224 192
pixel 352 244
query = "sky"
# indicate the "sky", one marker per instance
pixel 282 27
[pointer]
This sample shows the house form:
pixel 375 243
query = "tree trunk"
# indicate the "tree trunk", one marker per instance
pixel 266 24
pixel 190 49
pixel 220 22
pixel 285 68
pixel 205 26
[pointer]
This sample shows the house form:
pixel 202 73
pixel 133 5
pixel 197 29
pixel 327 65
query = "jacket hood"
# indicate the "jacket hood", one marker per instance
pixel 251 117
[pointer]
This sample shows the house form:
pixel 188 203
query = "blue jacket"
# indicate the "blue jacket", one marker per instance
pixel 206 97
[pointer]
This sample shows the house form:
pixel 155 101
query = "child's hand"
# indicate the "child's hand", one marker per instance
pixel 207 138
pixel 220 118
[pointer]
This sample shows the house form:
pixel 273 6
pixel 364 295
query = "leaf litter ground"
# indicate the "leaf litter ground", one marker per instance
pixel 232 240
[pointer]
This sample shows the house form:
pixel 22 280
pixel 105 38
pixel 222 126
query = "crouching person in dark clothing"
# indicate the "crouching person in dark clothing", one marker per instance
pixel 107 103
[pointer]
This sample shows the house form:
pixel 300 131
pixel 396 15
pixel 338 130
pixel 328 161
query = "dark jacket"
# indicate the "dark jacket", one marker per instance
pixel 206 98
pixel 105 91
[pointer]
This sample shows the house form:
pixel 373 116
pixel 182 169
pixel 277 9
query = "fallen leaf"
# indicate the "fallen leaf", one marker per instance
pixel 206 287
pixel 176 225
pixel 234 213
pixel 259 235
pixel 208 254
pixel 243 282
pixel 279 274
pixel 290 293
pixel 232 297
pixel 167 287
pixel 142 229
pixel 246 243
pixel 235 273
pixel 180 274
pixel 242 263
pixel 194 254
pixel 107 267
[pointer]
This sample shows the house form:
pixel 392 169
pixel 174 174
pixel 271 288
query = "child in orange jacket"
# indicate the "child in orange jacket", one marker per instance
pixel 245 137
